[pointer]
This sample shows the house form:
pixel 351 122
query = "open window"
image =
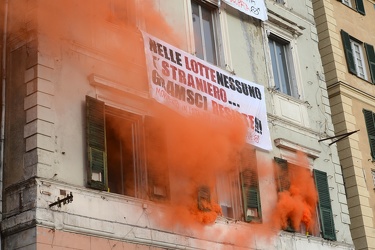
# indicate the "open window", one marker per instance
pixel 284 177
pixel 360 57
pixel 238 192
pixel 126 152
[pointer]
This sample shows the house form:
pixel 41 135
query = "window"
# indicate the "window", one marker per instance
pixel 282 66
pixel 355 4
pixel 205 37
pixel 370 125
pixel 121 158
pixel 357 61
pixel 283 179
pixel 237 193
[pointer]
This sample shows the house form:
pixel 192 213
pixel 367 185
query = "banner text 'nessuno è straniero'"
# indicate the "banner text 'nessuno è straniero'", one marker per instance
pixel 190 85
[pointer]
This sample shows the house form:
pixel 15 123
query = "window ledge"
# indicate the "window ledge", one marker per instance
pixel 283 143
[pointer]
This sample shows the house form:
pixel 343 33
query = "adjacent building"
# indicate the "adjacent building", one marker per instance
pixel 347 50
pixel 107 141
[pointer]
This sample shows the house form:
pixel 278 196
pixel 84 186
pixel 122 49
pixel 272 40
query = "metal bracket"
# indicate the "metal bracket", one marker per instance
pixel 340 137
pixel 67 199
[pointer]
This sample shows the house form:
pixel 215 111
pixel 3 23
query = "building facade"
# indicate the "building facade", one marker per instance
pixel 92 159
pixel 347 49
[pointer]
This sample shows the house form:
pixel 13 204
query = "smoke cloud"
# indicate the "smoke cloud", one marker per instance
pixel 199 149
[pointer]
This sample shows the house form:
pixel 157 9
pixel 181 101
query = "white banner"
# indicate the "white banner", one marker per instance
pixel 190 85
pixel 254 8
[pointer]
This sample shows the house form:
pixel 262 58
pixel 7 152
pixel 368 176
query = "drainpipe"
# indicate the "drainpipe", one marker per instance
pixel 2 126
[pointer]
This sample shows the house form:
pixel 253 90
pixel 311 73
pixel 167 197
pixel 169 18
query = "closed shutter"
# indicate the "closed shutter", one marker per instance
pixel 325 209
pixel 348 52
pixel 96 148
pixel 370 125
pixel 371 60
pixel 360 7
pixel 157 163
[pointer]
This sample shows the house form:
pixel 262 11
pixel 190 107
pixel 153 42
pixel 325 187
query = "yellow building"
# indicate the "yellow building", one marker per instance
pixel 346 41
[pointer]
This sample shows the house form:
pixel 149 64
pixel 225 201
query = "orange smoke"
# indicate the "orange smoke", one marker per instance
pixel 296 206
pixel 199 149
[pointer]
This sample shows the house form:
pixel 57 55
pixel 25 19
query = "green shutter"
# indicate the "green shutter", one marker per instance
pixel 157 161
pixel 348 52
pixel 371 60
pixel 96 148
pixel 360 7
pixel 250 195
pixel 370 125
pixel 325 209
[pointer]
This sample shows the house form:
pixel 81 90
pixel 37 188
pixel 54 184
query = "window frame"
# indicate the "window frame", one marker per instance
pixel 325 223
pixel 243 188
pixel 368 60
pixel 359 6
pixel 358 57
pixel 213 6
pixel 97 112
pixel 276 33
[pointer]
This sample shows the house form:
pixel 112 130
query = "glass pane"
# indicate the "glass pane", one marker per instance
pixel 120 152
pixel 208 36
pixel 197 30
pixel 283 68
pixel 274 65
pixel 358 59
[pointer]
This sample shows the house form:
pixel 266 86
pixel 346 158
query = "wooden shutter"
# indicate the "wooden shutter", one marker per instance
pixel 282 175
pixel 157 162
pixel 360 7
pixel 250 195
pixel 348 52
pixel 325 209
pixel 96 148
pixel 371 60
pixel 250 185
pixel 204 198
pixel 370 125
